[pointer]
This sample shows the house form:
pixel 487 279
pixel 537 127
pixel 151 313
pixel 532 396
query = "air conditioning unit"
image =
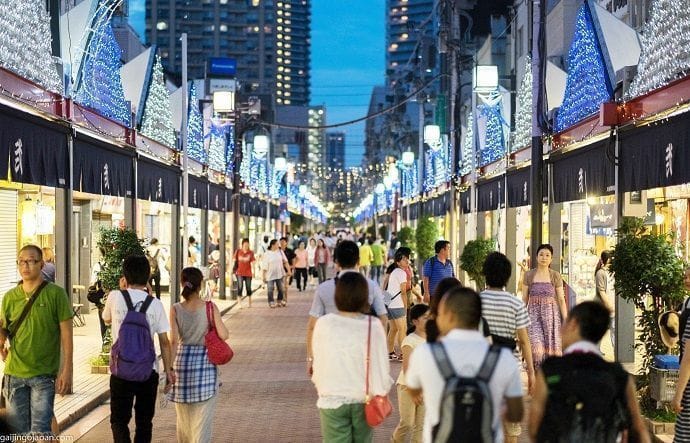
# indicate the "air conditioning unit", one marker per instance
pixel 624 77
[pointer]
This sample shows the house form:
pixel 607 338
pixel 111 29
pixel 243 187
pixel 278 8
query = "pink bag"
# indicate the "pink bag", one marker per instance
pixel 219 352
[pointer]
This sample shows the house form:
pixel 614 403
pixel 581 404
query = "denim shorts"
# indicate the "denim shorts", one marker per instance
pixel 396 313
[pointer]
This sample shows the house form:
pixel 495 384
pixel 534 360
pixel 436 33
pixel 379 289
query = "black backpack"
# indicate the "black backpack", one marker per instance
pixel 586 400
pixel 467 410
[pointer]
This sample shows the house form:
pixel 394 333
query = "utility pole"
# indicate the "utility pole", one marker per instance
pixel 537 45
pixel 185 157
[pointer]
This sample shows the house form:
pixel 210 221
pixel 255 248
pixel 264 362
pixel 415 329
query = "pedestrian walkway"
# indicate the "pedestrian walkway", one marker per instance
pixel 91 390
pixel 266 394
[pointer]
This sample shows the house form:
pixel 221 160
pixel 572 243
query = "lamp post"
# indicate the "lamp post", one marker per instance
pixel 408 162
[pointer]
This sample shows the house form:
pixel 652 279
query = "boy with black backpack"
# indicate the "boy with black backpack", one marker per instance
pixel 136 317
pixel 580 396
pixel 464 381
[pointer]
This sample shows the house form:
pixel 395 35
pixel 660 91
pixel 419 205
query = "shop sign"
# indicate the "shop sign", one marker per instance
pixel 655 156
pixel 491 194
pixel 103 170
pixel 518 187
pixel 602 215
pixel 585 172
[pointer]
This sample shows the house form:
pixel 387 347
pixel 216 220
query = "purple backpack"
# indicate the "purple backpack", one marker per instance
pixel 132 354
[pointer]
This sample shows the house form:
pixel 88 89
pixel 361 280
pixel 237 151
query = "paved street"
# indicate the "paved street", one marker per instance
pixel 266 394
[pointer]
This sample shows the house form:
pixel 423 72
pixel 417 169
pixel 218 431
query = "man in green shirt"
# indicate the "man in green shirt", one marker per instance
pixel 32 364
pixel 379 253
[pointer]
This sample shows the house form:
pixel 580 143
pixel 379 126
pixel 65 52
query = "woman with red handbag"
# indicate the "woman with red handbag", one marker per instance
pixel 350 364
pixel 194 392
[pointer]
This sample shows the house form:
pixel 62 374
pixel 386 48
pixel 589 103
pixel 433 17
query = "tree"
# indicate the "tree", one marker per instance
pixel 406 237
pixel 427 234
pixel 157 119
pixel 473 257
pixel 116 244
pixel 649 274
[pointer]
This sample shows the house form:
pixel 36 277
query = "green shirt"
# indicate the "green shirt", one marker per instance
pixel 377 250
pixel 36 348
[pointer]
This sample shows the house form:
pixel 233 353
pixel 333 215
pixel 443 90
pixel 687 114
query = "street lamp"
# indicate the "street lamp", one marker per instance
pixel 408 158
pixel 261 145
pixel 432 136
pixel 224 101
pixel 485 78
pixel 280 164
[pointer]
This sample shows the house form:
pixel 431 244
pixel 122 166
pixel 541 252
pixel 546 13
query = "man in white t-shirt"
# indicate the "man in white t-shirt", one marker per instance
pixel 123 393
pixel 458 318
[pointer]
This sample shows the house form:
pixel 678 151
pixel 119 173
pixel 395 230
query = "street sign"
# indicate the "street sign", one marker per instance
pixel 222 67
pixel 222 84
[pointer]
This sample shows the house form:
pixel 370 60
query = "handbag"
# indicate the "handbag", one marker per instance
pixel 235 264
pixel 378 407
pixel 95 293
pixel 219 352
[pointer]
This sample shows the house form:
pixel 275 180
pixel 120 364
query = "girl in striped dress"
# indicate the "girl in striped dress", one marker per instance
pixel 681 401
pixel 196 386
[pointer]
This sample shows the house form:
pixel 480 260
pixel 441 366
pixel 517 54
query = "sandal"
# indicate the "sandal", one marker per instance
pixel 283 303
pixel 271 305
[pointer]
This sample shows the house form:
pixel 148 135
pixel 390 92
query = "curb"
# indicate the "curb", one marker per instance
pixel 82 411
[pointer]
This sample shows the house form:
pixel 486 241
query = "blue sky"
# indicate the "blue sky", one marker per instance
pixel 348 60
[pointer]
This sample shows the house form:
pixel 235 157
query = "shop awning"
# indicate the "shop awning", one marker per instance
pixel 36 149
pixel 275 212
pixel 198 192
pixel 466 202
pixel 101 168
pixel 217 198
pixel 656 156
pixel 518 187
pixel 491 194
pixel 158 182
pixel 439 206
pixel 585 172
pixel 252 207
pixel 414 211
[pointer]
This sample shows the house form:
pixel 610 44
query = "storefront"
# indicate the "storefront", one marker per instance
pixel 491 203
pixel 102 198
pixel 584 182
pixel 518 224
pixel 38 156
pixel 158 197
pixel 197 214
pixel 216 228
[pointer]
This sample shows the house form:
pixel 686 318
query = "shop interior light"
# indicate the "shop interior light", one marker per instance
pixel 303 190
pixel 224 101
pixel 408 158
pixel 485 78
pixel 388 182
pixel 380 188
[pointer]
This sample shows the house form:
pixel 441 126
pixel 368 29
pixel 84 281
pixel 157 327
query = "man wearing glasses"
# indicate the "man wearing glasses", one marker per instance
pixel 32 364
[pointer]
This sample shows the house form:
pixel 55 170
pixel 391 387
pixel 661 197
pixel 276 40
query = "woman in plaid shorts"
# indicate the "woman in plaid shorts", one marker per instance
pixel 196 386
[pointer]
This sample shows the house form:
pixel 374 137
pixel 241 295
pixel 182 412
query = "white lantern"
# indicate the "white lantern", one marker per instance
pixel 281 164
pixel 408 158
pixel 485 78
pixel 224 101
pixel 380 188
pixel 432 134
pixel 261 144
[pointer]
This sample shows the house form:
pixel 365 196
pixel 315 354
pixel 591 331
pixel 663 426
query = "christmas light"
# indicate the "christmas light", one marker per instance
pixel 230 151
pixel 467 157
pixel 25 42
pixel 588 85
pixel 216 146
pixel 665 47
pixel 494 146
pixel 522 137
pixel 195 129
pixel 99 85
pixel 156 123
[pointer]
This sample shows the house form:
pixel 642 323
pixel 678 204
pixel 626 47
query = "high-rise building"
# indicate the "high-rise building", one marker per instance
pixel 409 33
pixel 335 150
pixel 269 40
pixel 315 144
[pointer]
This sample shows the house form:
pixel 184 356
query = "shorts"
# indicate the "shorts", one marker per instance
pixel 396 313
pixel 512 429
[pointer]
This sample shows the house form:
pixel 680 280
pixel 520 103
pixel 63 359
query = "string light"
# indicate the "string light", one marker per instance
pixel 99 85
pixel 195 129
pixel 216 146
pixel 230 151
pixel 156 123
pixel 494 145
pixel 523 115
pixel 588 85
pixel 466 160
pixel 665 47
pixel 25 42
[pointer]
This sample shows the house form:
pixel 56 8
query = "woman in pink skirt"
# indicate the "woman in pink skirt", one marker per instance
pixel 543 294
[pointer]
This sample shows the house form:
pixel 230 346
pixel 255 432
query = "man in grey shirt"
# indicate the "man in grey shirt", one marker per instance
pixel 346 257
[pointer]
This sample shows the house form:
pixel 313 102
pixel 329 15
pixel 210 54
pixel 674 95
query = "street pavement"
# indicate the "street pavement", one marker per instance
pixel 266 394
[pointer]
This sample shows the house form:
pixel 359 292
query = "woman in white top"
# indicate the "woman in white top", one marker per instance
pixel 274 264
pixel 339 353
pixel 397 289
pixel 411 408
pixel 311 250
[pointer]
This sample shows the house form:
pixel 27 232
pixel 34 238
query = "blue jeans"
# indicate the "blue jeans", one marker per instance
pixel 29 403
pixel 279 285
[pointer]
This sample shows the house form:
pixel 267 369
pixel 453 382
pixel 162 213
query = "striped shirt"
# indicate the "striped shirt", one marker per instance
pixel 504 312
pixel 436 271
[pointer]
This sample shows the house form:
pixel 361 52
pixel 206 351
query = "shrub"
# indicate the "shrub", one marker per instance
pixel 472 259
pixel 427 235
pixel 117 244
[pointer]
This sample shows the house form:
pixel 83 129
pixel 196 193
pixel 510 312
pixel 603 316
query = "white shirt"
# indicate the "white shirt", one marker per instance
pixel 310 256
pixel 115 311
pixel 413 340
pixel 339 345
pixel 395 280
pixel 466 350
pixel 272 262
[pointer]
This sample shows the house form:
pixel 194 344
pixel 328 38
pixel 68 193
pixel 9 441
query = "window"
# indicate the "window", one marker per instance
pixel 162 25
pixel 519 41
pixel 223 28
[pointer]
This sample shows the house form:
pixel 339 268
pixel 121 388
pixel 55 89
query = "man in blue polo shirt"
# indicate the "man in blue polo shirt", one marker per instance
pixel 437 268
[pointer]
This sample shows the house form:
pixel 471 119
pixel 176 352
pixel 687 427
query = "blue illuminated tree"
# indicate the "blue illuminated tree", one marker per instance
pixel 156 122
pixel 195 129
pixel 99 85
pixel 494 145
pixel 588 84
pixel 466 160
pixel 216 147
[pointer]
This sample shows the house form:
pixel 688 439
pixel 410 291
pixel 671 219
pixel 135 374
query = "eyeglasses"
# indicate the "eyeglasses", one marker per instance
pixel 31 262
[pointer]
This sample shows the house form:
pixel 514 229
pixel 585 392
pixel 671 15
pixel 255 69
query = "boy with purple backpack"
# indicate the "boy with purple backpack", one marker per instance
pixel 135 317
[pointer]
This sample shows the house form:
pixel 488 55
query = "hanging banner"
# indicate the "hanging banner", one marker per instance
pixel 158 182
pixel 491 194
pixel 103 169
pixel 585 172
pixel 198 192
pixel 518 187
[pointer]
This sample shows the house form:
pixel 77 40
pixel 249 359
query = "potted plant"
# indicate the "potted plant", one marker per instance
pixel 115 244
pixel 100 364
pixel 472 259
pixel 648 273
pixel 406 237
pixel 426 236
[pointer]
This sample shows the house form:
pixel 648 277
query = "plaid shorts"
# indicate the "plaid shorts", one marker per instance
pixel 197 377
